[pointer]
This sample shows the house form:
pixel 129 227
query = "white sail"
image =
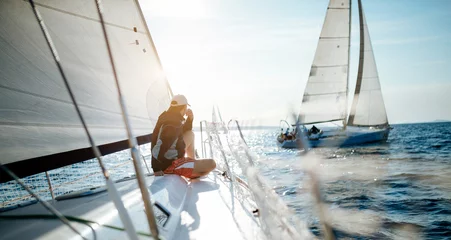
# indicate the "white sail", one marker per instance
pixel 368 108
pixel 325 96
pixel 37 116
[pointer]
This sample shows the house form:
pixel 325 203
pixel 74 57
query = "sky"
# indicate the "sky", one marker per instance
pixel 252 58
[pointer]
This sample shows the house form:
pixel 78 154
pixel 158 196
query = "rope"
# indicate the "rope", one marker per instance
pixel 132 141
pixel 316 190
pixel 70 218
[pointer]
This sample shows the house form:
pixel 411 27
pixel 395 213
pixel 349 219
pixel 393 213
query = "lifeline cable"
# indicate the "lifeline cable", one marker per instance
pixel 44 203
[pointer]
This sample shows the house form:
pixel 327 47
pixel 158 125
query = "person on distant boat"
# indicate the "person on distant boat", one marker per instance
pixel 314 133
pixel 173 143
pixel 288 134
pixel 314 130
pixel 293 133
pixel 281 137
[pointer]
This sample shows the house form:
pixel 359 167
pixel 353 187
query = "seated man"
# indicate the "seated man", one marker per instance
pixel 287 132
pixel 172 138
pixel 293 133
pixel 281 133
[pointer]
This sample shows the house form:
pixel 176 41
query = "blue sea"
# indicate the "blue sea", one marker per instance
pixel 405 182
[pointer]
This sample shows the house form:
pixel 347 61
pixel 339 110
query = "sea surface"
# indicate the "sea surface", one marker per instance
pixel 404 185
pixel 400 189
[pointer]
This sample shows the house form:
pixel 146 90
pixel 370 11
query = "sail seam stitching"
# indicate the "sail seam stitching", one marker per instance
pixel 68 102
pixel 60 125
pixel 85 17
pixel 333 37
pixel 322 94
pixel 319 82
pixel 329 66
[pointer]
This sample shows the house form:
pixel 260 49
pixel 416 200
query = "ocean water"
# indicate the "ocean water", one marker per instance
pixel 404 184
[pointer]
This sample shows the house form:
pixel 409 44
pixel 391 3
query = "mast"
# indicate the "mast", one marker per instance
pixel 349 57
pixel 360 69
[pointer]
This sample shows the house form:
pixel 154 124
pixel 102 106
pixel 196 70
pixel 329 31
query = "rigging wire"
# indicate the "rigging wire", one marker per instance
pixel 316 190
pixel 132 140
pixel 257 181
pixel 221 149
pixel 125 218
pixel 268 205
pixel 70 218
pixel 43 202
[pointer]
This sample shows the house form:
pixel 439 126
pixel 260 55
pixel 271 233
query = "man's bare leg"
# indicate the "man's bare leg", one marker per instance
pixel 203 167
pixel 188 138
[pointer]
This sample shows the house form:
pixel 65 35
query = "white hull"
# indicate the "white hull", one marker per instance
pixel 340 138
pixel 287 143
pixel 351 136
pixel 200 209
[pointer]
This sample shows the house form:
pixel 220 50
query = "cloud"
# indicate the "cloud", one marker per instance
pixel 193 9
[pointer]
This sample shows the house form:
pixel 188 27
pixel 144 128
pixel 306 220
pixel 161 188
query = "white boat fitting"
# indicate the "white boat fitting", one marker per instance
pixel 352 136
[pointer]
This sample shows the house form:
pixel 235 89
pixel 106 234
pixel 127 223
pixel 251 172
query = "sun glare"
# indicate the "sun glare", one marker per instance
pixel 175 9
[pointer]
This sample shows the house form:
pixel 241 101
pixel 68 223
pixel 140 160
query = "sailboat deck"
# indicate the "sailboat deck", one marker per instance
pixel 199 209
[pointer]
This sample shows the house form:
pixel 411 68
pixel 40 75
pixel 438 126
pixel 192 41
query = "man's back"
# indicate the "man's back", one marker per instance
pixel 167 131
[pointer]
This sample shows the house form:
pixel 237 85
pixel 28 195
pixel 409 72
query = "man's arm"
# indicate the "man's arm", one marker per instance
pixel 188 126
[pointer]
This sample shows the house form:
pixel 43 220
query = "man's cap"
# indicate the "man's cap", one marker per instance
pixel 179 100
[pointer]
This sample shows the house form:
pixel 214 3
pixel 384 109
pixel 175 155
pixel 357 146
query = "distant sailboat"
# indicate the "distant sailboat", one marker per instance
pixel 325 97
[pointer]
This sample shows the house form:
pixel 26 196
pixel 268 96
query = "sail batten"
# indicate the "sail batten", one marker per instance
pixel 325 95
pixel 368 108
pixel 329 66
pixel 38 117
pixel 88 18
pixel 332 37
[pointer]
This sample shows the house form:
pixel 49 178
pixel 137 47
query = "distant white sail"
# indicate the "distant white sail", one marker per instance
pixel 368 108
pixel 37 116
pixel 325 96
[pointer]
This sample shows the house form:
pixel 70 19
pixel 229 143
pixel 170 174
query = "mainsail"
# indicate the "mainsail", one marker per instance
pixel 37 117
pixel 368 107
pixel 325 96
